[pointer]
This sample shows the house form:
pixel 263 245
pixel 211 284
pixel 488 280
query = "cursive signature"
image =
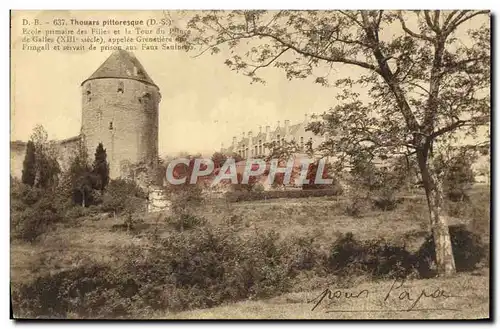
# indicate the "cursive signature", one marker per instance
pixel 395 292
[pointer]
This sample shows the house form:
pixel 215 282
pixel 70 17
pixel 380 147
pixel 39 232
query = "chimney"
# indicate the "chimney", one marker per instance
pixel 234 141
pixel 260 129
pixel 278 124
pixel 306 118
pixel 222 147
pixel 287 126
pixel 242 135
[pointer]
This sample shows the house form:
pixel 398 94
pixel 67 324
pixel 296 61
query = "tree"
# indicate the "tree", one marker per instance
pixel 426 80
pixel 46 167
pixel 457 172
pixel 80 178
pixel 29 171
pixel 312 172
pixel 219 159
pixel 101 167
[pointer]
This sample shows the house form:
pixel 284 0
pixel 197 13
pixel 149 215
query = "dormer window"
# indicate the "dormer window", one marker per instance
pixel 120 87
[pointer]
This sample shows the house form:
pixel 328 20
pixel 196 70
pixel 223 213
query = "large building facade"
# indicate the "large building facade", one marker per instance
pixel 255 144
pixel 119 109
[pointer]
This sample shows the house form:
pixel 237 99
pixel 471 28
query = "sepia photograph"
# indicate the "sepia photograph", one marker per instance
pixel 250 164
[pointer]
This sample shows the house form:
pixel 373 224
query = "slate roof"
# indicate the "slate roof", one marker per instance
pixel 123 65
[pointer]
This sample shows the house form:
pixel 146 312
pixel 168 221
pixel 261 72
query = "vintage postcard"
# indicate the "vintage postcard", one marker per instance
pixel 250 164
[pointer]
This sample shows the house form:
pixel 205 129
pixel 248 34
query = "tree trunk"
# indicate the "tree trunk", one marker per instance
pixel 444 253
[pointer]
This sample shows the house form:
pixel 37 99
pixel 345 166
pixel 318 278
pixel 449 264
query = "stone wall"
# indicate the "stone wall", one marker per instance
pixel 123 115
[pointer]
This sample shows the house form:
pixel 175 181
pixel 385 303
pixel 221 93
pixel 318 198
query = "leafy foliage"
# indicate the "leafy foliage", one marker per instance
pixel 33 211
pixel 29 171
pixel 457 172
pixel 123 196
pixel 101 167
pixel 43 164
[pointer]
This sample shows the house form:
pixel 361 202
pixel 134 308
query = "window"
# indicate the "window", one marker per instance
pixel 278 139
pixel 260 149
pixel 88 92
pixel 120 87
pixel 246 152
pixel 255 151
pixel 146 97
pixel 111 125
pixel 301 142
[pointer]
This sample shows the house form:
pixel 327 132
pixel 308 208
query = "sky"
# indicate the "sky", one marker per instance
pixel 203 104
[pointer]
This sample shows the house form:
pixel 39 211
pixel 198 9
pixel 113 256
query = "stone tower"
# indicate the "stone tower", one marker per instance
pixel 120 109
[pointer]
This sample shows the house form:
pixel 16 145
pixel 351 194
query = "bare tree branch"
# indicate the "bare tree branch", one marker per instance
pixel 410 32
pixel 268 63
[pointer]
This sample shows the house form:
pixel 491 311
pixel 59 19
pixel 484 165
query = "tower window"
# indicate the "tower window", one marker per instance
pixel 120 87
pixel 88 92
pixel 111 125
pixel 146 97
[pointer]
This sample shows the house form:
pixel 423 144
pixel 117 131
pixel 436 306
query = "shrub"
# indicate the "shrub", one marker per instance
pixel 386 200
pixel 32 213
pixel 356 206
pixel 185 222
pixel 457 172
pixel 239 196
pixel 123 196
pixel 377 258
pixel 202 267
pixel 468 251
pixel 93 292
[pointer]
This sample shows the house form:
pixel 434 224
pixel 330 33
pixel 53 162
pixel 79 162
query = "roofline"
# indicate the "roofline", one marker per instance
pixel 128 78
pixel 18 143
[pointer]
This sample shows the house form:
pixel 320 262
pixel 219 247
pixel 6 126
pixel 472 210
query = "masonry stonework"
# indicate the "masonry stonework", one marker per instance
pixel 123 115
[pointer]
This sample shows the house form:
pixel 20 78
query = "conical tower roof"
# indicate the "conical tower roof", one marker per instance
pixel 122 64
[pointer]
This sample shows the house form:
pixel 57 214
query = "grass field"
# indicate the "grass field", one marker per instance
pixel 472 302
pixel 97 240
